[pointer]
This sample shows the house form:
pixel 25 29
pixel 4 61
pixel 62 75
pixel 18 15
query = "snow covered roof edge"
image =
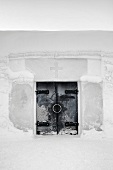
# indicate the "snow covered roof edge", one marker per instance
pixel 61 54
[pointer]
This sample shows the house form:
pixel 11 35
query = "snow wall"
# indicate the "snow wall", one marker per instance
pixel 17 79
pixel 18 101
pixel 17 96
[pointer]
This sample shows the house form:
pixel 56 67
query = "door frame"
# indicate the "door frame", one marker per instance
pixel 79 107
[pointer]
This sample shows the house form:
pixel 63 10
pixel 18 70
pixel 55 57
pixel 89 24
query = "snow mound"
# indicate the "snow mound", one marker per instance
pixel 92 134
pixel 8 131
pixel 108 130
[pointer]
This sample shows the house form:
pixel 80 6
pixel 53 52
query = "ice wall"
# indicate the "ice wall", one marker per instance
pixel 21 106
pixel 21 97
pixel 108 95
pixel 17 95
pixel 92 106
pixel 4 94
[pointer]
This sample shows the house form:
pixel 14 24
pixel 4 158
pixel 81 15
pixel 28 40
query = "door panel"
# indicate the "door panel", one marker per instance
pixel 57 108
pixel 69 112
pixel 44 112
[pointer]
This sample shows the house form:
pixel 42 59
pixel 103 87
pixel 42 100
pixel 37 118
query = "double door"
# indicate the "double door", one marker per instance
pixel 57 108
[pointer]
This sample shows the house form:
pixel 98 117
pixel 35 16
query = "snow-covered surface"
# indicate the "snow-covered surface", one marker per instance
pixel 23 151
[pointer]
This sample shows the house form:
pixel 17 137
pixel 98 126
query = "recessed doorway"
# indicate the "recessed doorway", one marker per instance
pixel 57 108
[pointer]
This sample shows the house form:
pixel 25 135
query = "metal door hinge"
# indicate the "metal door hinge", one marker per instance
pixel 42 91
pixel 71 91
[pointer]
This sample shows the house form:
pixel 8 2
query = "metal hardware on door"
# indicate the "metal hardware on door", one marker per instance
pixel 42 92
pixel 57 108
pixel 42 123
pixel 71 91
pixel 71 123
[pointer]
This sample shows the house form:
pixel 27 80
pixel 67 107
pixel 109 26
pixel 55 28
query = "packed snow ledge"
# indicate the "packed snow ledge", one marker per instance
pixel 93 79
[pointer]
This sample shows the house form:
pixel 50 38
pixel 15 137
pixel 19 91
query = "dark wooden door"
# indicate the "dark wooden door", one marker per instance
pixel 57 108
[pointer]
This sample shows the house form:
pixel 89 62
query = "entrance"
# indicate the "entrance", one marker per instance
pixel 57 108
